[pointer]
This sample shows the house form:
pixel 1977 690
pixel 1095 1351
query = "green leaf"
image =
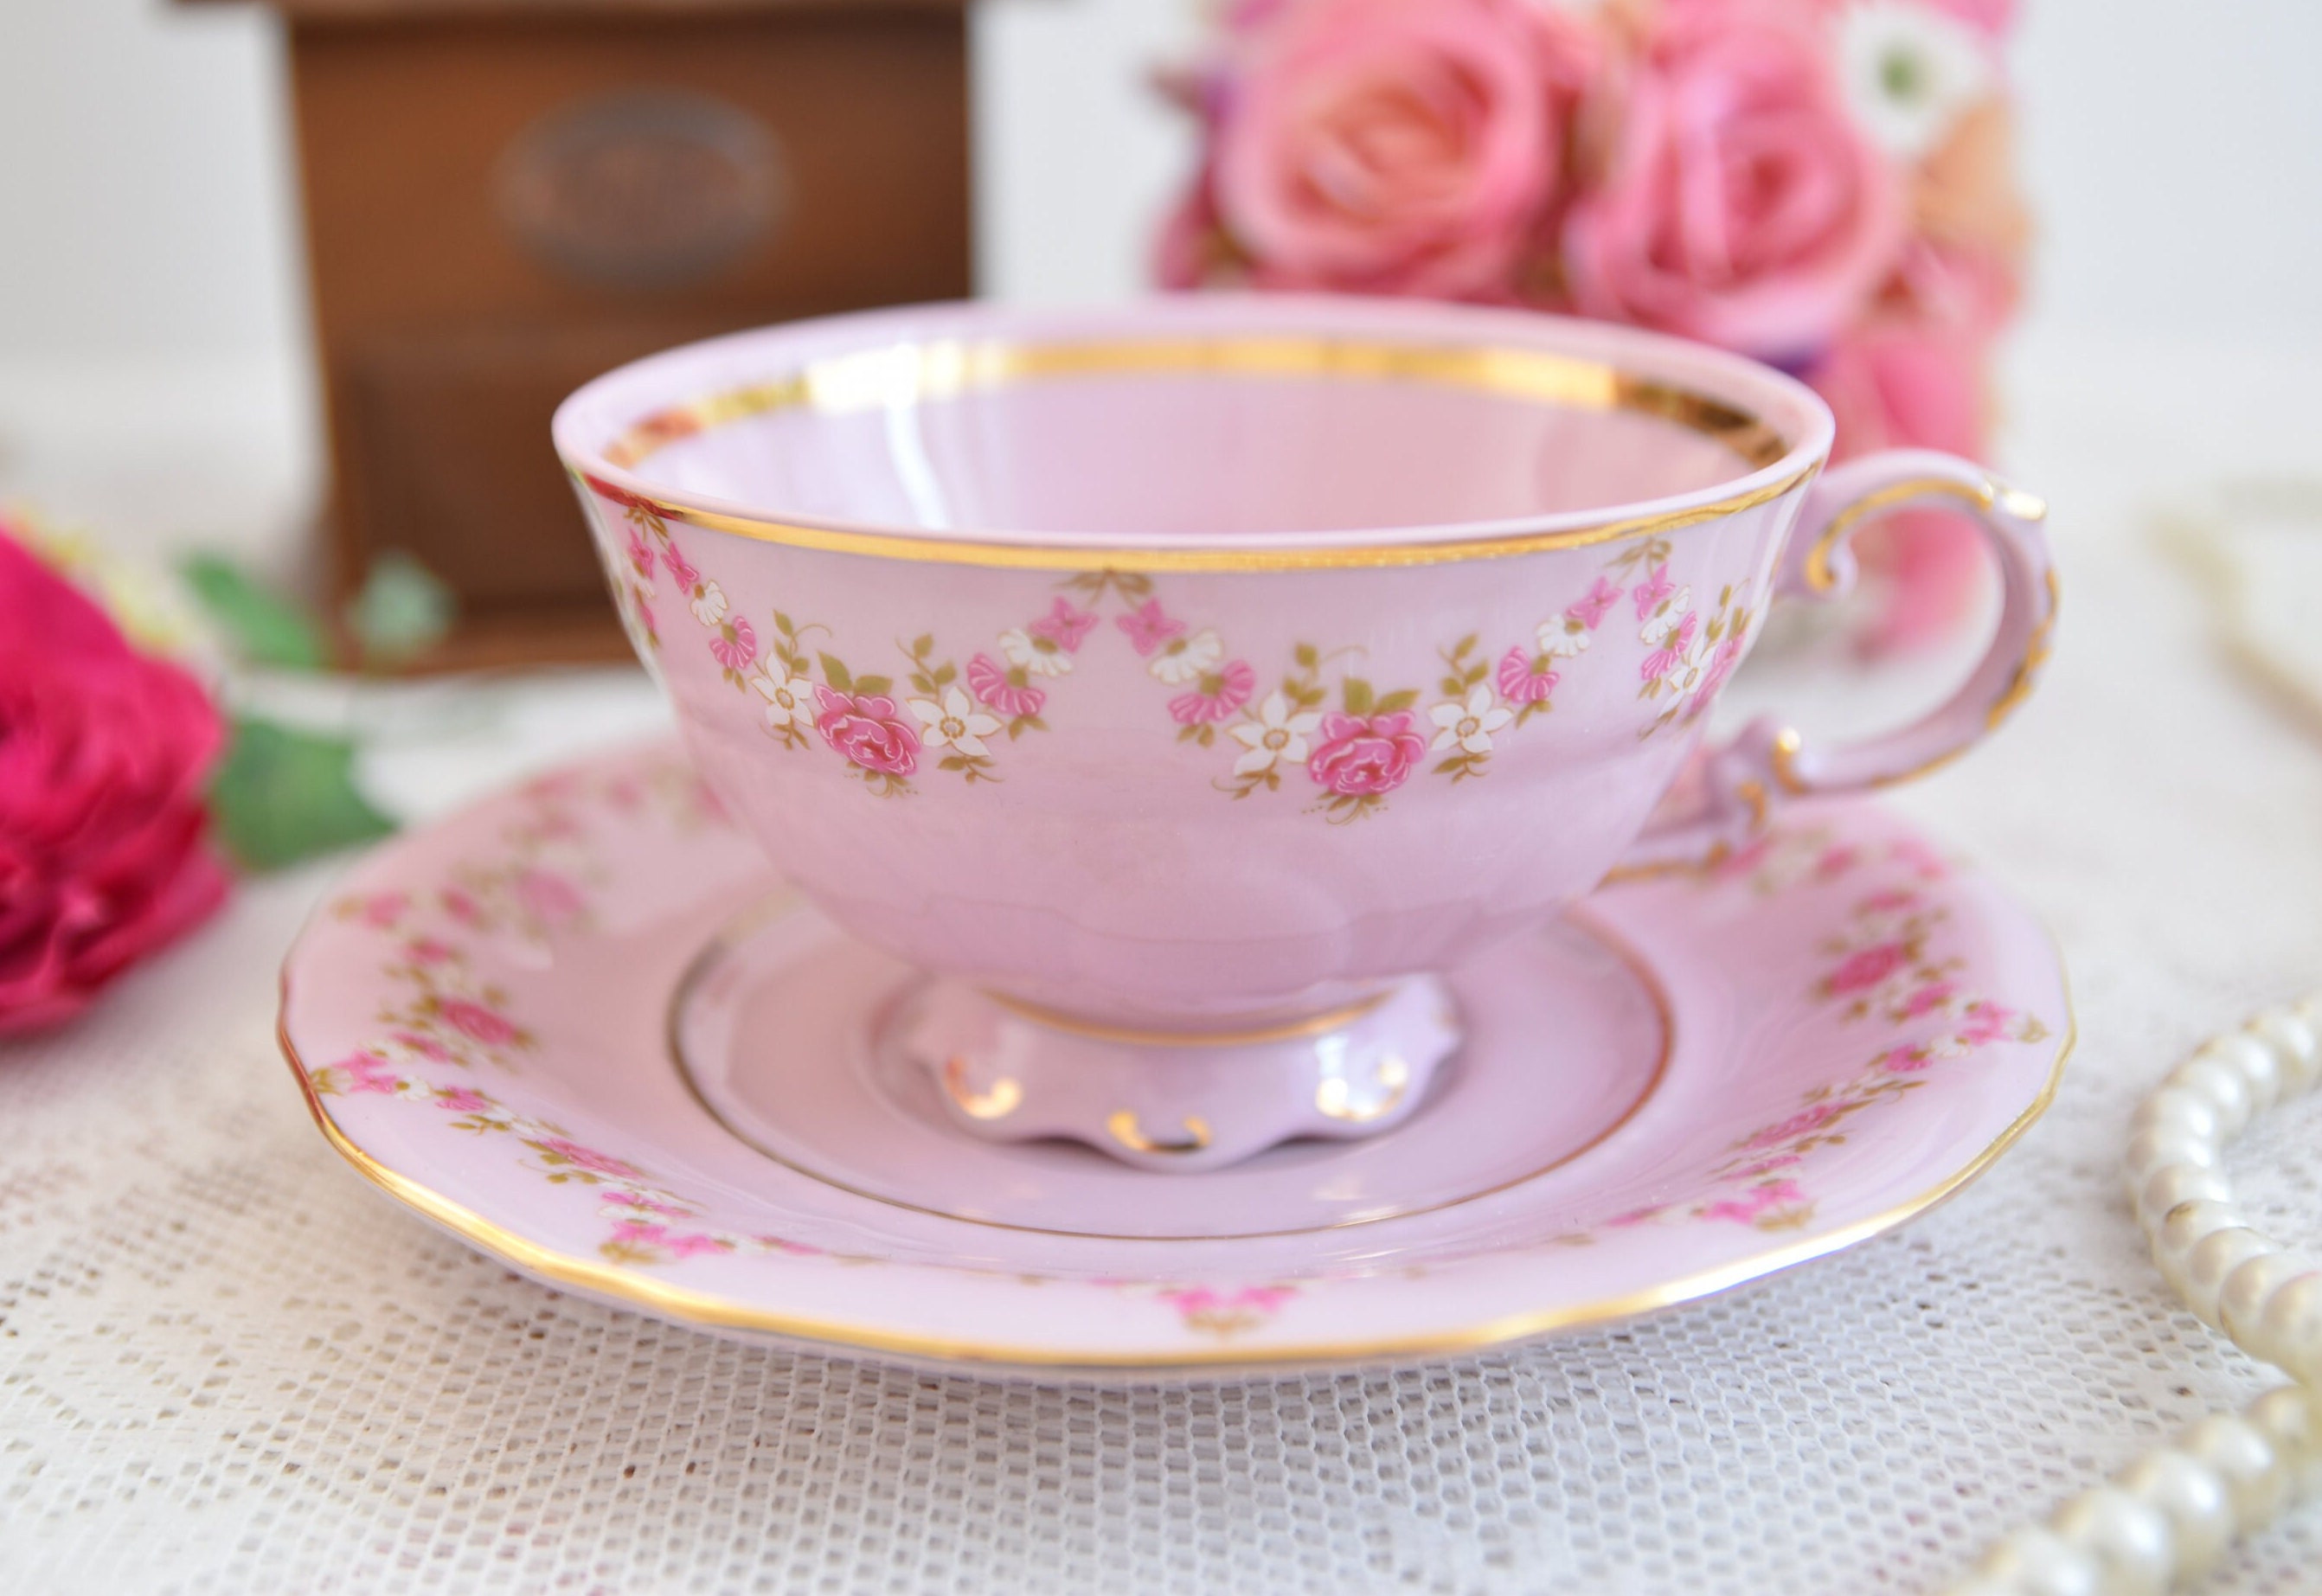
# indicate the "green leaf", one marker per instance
pixel 1305 654
pixel 835 673
pixel 1395 701
pixel 1463 646
pixel 944 674
pixel 267 627
pixel 783 625
pixel 1357 694
pixel 402 611
pixel 922 645
pixel 283 795
pixel 874 684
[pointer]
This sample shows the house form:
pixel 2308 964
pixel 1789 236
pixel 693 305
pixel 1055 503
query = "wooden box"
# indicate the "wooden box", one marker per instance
pixel 505 197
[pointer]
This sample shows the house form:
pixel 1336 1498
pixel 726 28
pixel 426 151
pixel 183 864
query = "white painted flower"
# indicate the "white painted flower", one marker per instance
pixel 1277 734
pixel 1562 636
pixel 1910 70
pixel 958 722
pixel 1691 665
pixel 1035 654
pixel 1467 726
pixel 789 700
pixel 1668 620
pixel 710 607
pixel 1186 659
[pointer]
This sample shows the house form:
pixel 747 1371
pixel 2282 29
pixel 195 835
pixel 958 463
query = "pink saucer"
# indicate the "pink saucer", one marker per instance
pixel 584 1027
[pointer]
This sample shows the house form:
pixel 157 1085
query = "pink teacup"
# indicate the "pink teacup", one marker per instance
pixel 1183 685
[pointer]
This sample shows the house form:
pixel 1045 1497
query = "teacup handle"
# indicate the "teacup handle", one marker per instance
pixel 1726 795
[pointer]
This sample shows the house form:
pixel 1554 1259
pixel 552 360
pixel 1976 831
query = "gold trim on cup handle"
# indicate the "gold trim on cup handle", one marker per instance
pixel 1741 784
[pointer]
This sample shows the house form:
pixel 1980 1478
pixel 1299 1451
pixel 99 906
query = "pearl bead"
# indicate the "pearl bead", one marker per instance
pixel 2041 1563
pixel 2289 1331
pixel 2220 1084
pixel 2296 1045
pixel 2288 1418
pixel 2170 1107
pixel 2129 1537
pixel 2150 1150
pixel 2244 1459
pixel 2241 1298
pixel 2254 1061
pixel 2176 1183
pixel 2203 1267
pixel 2193 1498
pixel 2186 1225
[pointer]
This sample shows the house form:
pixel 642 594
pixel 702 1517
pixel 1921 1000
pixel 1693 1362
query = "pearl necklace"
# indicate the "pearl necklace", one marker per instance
pixel 2169 1516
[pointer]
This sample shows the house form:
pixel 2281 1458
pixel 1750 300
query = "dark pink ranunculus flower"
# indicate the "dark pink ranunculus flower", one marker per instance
pixel 104 757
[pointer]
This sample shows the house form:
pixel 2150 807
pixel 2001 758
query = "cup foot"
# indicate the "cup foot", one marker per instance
pixel 1006 1072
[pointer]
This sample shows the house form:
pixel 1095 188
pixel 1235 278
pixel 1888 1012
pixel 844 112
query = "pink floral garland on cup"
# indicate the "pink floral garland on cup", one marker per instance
pixel 1355 754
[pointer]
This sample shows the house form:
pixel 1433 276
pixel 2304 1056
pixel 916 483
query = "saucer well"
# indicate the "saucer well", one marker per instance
pixel 584 1027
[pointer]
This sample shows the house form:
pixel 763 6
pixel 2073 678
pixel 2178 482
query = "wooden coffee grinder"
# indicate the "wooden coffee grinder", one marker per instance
pixel 505 197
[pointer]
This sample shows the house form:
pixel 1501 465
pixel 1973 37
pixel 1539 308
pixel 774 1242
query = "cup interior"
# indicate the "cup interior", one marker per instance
pixel 1197 420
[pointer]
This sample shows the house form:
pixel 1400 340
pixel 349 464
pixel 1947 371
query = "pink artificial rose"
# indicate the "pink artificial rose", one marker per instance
pixel 1911 386
pixel 1388 146
pixel 1994 17
pixel 1360 756
pixel 105 756
pixel 865 728
pixel 1743 206
pixel 478 1023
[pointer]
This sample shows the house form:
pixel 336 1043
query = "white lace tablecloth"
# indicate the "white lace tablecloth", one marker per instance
pixel 227 1364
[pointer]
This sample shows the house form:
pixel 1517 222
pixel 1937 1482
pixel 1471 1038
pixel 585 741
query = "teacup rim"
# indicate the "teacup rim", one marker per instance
pixel 585 440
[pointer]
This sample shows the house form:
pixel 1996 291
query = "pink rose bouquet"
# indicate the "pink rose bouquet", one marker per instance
pixel 1824 184
pixel 104 757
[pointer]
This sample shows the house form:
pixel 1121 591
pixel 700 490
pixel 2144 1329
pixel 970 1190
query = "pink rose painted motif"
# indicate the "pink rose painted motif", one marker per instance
pixel 1360 756
pixel 478 1023
pixel 869 733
